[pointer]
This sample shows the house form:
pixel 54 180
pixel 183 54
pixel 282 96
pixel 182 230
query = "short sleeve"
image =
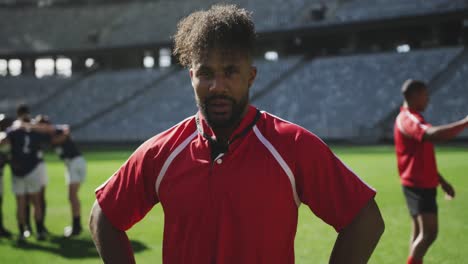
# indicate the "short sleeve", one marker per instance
pixel 411 127
pixel 130 193
pixel 331 190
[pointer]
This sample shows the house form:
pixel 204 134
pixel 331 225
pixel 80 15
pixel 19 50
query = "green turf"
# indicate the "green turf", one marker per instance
pixel 314 240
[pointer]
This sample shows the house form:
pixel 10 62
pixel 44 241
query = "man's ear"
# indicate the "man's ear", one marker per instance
pixel 191 76
pixel 253 74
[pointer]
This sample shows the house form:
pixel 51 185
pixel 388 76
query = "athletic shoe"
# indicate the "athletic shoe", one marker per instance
pixel 70 231
pixel 21 239
pixel 41 236
pixel 5 233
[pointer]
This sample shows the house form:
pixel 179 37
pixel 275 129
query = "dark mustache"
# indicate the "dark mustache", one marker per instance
pixel 215 97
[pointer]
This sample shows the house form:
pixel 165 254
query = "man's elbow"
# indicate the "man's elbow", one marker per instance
pixel 376 219
pixel 94 218
pixel 432 135
pixel 380 225
pixel 369 221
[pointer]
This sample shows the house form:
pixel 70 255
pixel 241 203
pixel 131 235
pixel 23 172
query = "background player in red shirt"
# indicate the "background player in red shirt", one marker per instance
pixel 231 178
pixel 417 165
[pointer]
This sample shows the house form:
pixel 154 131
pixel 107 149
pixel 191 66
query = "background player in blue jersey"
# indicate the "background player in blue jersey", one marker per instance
pixel 74 176
pixel 28 170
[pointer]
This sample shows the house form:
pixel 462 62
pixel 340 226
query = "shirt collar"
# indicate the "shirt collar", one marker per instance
pixel 205 130
pixel 414 112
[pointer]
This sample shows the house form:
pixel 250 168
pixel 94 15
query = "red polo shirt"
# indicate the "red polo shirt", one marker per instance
pixel 415 157
pixel 241 207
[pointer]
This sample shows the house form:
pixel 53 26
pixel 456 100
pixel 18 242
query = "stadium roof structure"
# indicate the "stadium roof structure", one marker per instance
pixel 57 28
pixel 43 3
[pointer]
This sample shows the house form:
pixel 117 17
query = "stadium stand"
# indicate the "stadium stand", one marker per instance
pixel 159 107
pixel 269 71
pixel 104 26
pixel 162 106
pixel 96 93
pixel 44 29
pixel 330 96
pixel 320 88
pixel 157 21
pixel 153 21
pixel 449 103
pixel 360 10
pixel 280 15
pixel 50 29
pixel 29 90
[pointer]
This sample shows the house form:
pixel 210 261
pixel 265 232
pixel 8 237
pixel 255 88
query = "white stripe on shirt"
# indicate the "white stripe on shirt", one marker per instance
pixel 281 162
pixel 172 157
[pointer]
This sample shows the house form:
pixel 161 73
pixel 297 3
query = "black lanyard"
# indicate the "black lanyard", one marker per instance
pixel 217 147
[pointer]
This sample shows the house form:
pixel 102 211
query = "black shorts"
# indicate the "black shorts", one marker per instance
pixel 420 200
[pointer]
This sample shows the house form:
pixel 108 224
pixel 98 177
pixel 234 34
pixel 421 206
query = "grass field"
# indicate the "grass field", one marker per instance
pixel 314 240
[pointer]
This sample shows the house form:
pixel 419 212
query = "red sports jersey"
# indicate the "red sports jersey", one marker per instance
pixel 241 207
pixel 415 157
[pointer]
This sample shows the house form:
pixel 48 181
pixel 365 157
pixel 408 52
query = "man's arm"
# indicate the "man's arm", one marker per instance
pixel 447 187
pixel 445 132
pixel 50 130
pixel 60 138
pixel 112 244
pixel 357 241
pixel 41 128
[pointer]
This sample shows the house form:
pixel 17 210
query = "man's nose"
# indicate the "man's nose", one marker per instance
pixel 218 84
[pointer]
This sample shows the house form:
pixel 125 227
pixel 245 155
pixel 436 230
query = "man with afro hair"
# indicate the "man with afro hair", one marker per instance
pixel 231 178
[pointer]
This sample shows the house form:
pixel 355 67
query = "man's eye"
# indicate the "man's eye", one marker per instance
pixel 230 71
pixel 204 73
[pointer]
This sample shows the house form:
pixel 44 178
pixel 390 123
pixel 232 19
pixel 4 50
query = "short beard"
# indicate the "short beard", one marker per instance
pixel 236 114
